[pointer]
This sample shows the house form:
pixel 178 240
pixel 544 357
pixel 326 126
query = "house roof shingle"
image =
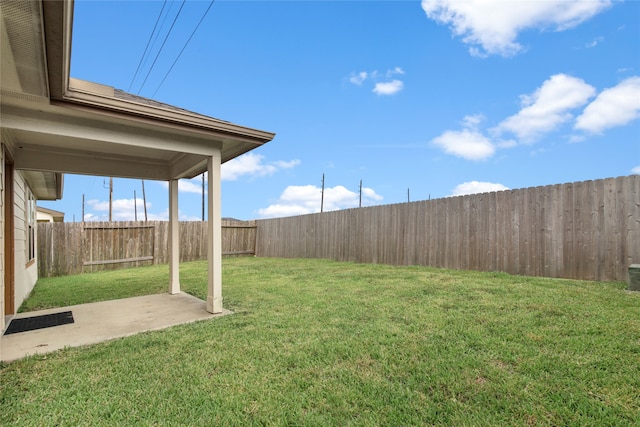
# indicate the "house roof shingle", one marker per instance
pixel 126 96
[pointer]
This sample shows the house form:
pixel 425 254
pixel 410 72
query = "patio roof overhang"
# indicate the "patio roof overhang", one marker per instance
pixel 55 124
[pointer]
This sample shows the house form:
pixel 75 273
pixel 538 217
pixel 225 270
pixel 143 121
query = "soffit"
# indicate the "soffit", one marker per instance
pixel 45 185
pixel 22 44
pixel 56 139
pixel 24 78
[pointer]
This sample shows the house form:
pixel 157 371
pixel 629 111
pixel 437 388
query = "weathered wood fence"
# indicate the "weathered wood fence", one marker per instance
pixel 70 248
pixel 585 230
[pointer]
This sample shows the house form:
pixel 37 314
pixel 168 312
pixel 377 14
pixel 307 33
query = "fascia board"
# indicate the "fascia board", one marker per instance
pixel 57 19
pixel 88 127
pixel 99 101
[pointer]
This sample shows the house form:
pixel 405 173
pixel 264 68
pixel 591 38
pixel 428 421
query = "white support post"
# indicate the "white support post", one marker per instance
pixel 174 239
pixel 214 234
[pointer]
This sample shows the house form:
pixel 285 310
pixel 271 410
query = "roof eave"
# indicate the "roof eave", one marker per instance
pixel 75 93
pixel 83 96
pixel 45 185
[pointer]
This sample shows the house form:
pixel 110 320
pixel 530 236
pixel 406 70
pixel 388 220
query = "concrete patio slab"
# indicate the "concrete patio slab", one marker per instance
pixel 102 321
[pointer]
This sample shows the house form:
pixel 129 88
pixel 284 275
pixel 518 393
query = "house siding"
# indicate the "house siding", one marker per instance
pixel 26 273
pixel 2 325
pixel 44 217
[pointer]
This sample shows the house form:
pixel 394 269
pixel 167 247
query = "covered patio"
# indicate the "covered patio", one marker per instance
pixel 103 321
pixel 54 124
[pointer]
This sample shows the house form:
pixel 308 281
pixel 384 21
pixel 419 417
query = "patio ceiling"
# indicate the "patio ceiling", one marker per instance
pixel 55 124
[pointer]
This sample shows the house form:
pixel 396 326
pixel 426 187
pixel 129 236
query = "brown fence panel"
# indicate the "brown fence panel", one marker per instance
pixel 238 238
pixel 72 248
pixel 115 245
pixel 585 230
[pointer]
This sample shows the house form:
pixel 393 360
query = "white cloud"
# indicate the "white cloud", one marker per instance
pixel 472 121
pixel 253 165
pixel 547 107
pixel 396 70
pixel 281 164
pixel 190 186
pixel 542 112
pixel 577 138
pixel 468 144
pixel 636 170
pixel 121 210
pixel 305 199
pixel 359 78
pixel 281 210
pixel 491 27
pixel 249 164
pixel 594 42
pixel 388 88
pixel 613 107
pixel 193 185
pixel 380 80
pixel 369 196
pixel 474 187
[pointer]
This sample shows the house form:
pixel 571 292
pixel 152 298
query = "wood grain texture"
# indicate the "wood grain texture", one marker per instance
pixel 586 230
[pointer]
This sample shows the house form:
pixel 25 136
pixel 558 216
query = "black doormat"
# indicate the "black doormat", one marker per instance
pixel 39 322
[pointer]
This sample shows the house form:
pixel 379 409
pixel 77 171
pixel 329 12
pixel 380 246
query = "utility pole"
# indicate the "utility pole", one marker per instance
pixel 110 198
pixel 322 196
pixel 144 202
pixel 408 196
pixel 82 209
pixel 135 206
pixel 360 205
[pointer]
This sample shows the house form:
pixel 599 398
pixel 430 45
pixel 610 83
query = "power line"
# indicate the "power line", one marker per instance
pixel 147 47
pixel 184 47
pixel 157 35
pixel 161 47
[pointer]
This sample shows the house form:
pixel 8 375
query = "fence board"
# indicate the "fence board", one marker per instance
pixel 633 232
pixel 586 230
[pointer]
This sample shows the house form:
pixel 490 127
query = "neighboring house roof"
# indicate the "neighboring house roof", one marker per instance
pixel 56 215
pixel 54 124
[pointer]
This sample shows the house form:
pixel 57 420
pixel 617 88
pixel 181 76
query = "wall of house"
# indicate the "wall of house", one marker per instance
pixel 2 325
pixel 44 217
pixel 26 271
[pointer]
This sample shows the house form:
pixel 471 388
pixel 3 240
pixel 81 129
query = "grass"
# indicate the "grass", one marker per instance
pixel 102 286
pixel 316 342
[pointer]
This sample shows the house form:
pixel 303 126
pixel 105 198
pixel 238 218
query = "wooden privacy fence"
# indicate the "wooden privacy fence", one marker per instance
pixel 586 230
pixel 70 248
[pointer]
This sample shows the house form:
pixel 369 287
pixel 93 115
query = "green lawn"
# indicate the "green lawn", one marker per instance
pixel 316 342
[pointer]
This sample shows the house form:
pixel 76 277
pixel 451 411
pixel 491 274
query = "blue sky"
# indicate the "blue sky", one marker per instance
pixel 436 97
